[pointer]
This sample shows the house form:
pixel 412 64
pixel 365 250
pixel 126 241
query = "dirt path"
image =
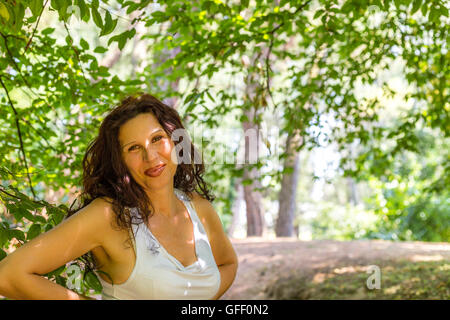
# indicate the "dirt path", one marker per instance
pixel 263 260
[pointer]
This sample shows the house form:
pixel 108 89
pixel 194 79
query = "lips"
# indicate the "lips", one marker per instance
pixel 155 171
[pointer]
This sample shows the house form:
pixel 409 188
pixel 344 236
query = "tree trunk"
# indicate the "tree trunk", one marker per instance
pixel 253 201
pixel 236 208
pixel 352 194
pixel 252 197
pixel 287 203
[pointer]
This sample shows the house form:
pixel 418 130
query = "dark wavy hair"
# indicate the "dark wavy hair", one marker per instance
pixel 105 174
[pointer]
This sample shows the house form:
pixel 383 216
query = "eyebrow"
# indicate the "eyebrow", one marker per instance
pixel 157 130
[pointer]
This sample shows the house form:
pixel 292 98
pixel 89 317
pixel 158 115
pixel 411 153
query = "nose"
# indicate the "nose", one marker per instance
pixel 149 153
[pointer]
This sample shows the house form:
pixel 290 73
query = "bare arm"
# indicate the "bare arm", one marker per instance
pixel 223 251
pixel 21 271
pixel 227 275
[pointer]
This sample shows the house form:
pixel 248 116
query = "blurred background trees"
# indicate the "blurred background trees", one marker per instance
pixel 351 99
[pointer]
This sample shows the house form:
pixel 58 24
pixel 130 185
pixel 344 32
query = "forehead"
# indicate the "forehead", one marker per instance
pixel 140 126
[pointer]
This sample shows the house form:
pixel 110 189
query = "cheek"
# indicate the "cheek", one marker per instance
pixel 168 150
pixel 132 162
pixel 166 147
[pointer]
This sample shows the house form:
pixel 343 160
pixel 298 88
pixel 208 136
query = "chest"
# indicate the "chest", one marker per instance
pixel 176 236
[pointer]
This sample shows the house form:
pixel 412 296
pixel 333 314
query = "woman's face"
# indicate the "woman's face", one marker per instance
pixel 146 146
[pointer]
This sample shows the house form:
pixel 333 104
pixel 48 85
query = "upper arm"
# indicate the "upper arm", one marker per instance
pixel 221 246
pixel 67 241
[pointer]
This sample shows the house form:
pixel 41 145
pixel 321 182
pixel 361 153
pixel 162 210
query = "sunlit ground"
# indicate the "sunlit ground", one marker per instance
pixel 399 280
pixel 287 268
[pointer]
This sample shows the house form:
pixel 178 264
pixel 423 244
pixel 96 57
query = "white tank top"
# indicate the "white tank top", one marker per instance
pixel 159 275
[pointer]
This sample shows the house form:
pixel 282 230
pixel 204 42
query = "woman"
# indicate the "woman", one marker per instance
pixel 138 189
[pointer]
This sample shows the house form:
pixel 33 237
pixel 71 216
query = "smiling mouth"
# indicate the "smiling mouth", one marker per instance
pixel 155 171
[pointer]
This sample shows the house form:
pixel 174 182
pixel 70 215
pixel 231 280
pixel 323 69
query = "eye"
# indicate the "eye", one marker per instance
pixel 157 138
pixel 133 148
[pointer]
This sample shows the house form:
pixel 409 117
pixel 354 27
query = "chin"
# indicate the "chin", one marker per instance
pixel 158 182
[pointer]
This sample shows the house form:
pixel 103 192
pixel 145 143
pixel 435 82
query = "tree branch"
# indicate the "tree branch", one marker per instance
pixel 270 51
pixel 76 53
pixel 12 59
pixel 35 27
pixel 293 14
pixel 38 132
pixel 268 73
pixel 5 37
pixel 20 136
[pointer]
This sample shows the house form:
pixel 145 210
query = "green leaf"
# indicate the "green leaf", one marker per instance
pixel 25 213
pixel 16 211
pixel 132 7
pixel 288 170
pixel 56 214
pixel 30 205
pixel 56 4
pixel 109 26
pixel 192 98
pixel 60 280
pixel 435 14
pixel 443 10
pixel 36 7
pixel 55 272
pixel 424 9
pixel 34 231
pixel 159 16
pixel 84 44
pixel 398 3
pixel 243 118
pixel 63 10
pixel 19 13
pixel 122 38
pixel 84 11
pixel 100 49
pixel 14 233
pixel 3 236
pixel 4 12
pixel 318 13
pixel 244 3
pixel 416 6
pixel 210 96
pixel 347 6
pixel 47 31
pixel 2 254
pixel 93 282
pixel 108 23
pixel 40 219
pixel 97 17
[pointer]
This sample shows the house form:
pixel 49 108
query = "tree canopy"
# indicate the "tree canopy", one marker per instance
pixel 306 63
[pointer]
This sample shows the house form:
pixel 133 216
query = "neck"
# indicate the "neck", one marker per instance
pixel 164 201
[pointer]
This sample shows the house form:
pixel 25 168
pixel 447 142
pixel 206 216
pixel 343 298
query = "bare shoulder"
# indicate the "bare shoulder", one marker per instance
pixel 105 206
pixel 102 210
pixel 99 210
pixel 221 246
pixel 199 200
pixel 78 234
pixel 206 213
